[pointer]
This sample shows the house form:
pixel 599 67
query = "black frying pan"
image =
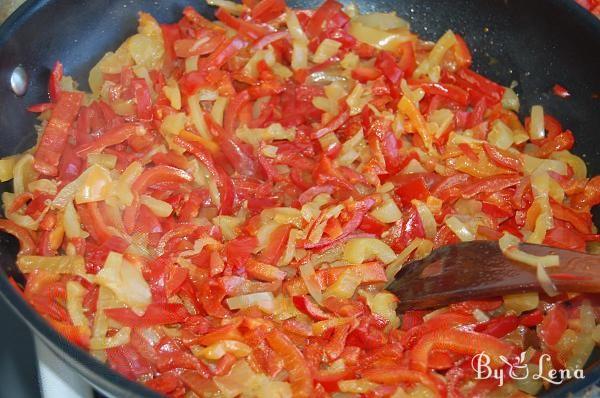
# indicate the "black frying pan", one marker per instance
pixel 536 42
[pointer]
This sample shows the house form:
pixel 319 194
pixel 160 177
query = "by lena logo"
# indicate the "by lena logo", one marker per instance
pixel 517 369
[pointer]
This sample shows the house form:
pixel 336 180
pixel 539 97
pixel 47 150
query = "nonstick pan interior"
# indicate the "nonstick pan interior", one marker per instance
pixel 536 43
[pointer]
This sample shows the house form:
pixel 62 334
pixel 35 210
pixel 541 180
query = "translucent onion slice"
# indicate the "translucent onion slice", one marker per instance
pixel 536 125
pixel 308 275
pixel 263 300
pixel 359 250
pixel 459 229
pixel 427 219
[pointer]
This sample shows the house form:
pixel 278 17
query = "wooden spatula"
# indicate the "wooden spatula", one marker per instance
pixel 478 269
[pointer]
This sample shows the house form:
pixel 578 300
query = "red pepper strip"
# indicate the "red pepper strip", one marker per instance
pixel 322 14
pixel 224 182
pixel 581 221
pixel 224 52
pixel 502 158
pixel 230 118
pixel 56 76
pixel 499 327
pixel 245 28
pixel 266 10
pixel 368 272
pixel 484 86
pixel 311 192
pixel 306 306
pixel 26 242
pixel 490 184
pixel 386 63
pixel 361 208
pixel 158 174
pixel 236 152
pixel 156 314
pixel 459 341
pixel 333 124
pixel 450 91
pixel 39 108
pixel 299 373
pixel 554 325
pixel 397 375
pixel 471 305
pixel 270 38
pixel 531 319
pixel 442 321
pixel 560 91
pixel 462 55
pixel 143 100
pixel 590 195
pixel 112 137
pixel 560 142
pixel 264 272
pixel 93 222
pixel 277 244
pixel 365 74
pixel 54 137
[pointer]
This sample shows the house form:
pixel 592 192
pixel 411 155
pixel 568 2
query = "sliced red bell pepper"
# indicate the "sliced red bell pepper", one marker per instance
pixel 299 373
pixel 159 174
pixel 490 184
pixel 554 325
pixel 459 341
pixel 462 55
pixel 502 158
pixel 450 91
pixel 499 327
pixel 54 137
pixel 333 124
pixel 222 54
pixel 386 63
pixel 266 10
pixel 321 16
pixel 306 306
pixel 560 91
pixel 246 28
pixel 156 314
pixel 361 208
pixel 277 244
pixel 56 76
pixel 112 137
pixel 143 100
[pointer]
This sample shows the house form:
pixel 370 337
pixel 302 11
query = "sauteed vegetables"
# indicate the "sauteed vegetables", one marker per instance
pixel 220 214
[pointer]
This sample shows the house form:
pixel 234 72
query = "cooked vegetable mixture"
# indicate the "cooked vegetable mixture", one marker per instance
pixel 220 215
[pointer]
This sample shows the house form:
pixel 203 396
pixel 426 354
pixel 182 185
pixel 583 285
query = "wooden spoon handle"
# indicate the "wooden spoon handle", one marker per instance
pixel 577 272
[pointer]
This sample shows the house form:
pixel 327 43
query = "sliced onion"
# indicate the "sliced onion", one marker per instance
pixel 7 164
pixel 382 21
pixel 218 350
pixel 536 125
pixel 436 55
pixel 71 265
pixel 120 338
pixel 427 219
pixel 263 300
pixel 308 275
pixel 397 264
pixel 126 281
pixel 71 223
pixel 545 281
pixel 459 229
pixel 359 250
pixel 158 207
pixel 501 135
pixel 327 49
pixel 577 164
pixel 75 294
pixel 360 386
pixel 388 212
pixel 345 286
pixel 509 244
pixel 510 100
